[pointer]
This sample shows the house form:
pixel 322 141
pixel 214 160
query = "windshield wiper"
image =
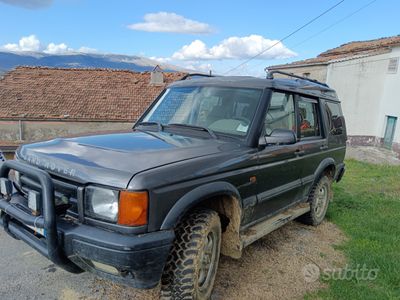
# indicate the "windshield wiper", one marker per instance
pixel 158 124
pixel 195 127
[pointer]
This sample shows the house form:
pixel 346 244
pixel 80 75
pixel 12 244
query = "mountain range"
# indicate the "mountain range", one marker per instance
pixel 10 60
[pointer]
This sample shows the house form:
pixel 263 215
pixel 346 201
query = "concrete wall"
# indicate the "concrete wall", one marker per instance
pixel 40 130
pixel 390 106
pixel 318 72
pixel 368 94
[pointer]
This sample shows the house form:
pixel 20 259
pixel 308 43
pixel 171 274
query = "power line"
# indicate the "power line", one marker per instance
pixel 330 26
pixel 286 37
pixel 337 22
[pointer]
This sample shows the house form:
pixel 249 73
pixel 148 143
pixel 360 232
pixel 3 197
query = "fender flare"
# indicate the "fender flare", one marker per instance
pixel 196 196
pixel 327 162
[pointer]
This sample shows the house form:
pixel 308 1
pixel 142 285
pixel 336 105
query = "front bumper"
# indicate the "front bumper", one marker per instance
pixel 135 260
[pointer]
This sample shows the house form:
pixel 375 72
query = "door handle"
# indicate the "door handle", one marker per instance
pixel 324 147
pixel 299 152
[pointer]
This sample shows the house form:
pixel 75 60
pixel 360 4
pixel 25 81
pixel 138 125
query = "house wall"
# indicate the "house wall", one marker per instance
pixel 368 94
pixel 318 72
pixel 390 105
pixel 44 130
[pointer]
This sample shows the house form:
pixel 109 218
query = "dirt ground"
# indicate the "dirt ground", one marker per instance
pixel 372 155
pixel 275 267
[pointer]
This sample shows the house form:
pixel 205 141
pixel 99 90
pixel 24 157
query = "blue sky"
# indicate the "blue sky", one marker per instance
pixel 217 34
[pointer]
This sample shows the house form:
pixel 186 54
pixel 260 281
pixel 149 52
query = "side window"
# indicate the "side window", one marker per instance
pixel 308 118
pixel 281 113
pixel 335 118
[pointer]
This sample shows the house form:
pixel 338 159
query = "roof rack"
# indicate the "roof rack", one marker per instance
pixel 188 76
pixel 270 75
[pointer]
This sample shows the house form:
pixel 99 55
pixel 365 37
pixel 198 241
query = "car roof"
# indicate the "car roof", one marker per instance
pixel 301 86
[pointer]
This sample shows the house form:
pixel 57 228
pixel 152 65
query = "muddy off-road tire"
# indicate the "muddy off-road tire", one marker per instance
pixel 192 264
pixel 319 198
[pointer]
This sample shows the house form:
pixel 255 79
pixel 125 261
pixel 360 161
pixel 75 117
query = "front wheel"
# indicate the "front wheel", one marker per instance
pixel 192 264
pixel 319 198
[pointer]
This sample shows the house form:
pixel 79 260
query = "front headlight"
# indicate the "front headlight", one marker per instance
pixel 101 203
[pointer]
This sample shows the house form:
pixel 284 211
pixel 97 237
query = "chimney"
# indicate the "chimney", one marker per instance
pixel 157 76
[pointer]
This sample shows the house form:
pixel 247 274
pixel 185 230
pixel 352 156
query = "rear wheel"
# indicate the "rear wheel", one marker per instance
pixel 192 264
pixel 320 195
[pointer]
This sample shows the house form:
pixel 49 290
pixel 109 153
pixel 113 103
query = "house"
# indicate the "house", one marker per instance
pixel 366 77
pixel 42 103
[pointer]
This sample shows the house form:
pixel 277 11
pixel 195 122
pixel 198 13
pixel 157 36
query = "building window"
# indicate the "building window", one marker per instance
pixel 393 65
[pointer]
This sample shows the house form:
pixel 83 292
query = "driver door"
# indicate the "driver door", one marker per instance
pixel 279 183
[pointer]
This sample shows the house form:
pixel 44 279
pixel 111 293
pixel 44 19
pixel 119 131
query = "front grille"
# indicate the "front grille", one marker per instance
pixel 65 194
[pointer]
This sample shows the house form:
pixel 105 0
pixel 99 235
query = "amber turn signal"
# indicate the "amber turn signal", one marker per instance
pixel 133 208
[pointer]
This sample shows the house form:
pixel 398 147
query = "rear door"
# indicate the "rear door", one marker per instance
pixel 312 143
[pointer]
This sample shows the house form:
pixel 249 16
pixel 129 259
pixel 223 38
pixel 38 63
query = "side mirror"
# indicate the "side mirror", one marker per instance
pixel 278 137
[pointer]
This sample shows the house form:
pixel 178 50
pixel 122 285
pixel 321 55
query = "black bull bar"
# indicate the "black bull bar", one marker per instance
pixel 50 247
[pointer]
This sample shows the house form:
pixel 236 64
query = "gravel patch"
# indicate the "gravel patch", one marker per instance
pixel 372 155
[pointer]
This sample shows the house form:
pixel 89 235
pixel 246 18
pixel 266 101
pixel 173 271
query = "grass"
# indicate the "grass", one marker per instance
pixel 366 207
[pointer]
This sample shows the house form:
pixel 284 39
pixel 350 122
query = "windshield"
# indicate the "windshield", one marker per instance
pixel 219 109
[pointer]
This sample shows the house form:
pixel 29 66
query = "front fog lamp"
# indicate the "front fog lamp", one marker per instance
pixel 101 203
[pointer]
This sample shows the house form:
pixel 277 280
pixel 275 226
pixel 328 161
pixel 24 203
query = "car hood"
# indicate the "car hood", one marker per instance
pixel 113 159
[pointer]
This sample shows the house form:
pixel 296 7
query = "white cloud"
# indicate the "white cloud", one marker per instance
pixel 31 4
pixel 57 49
pixel 26 43
pixel 234 48
pixel 170 22
pixel 161 59
pixel 33 44
pixel 199 67
pixel 87 50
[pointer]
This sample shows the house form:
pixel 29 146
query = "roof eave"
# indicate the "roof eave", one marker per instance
pixel 290 66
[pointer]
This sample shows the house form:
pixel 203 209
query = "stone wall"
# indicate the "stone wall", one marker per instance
pixel 45 130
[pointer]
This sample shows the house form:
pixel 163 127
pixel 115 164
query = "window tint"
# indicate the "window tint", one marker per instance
pixel 335 118
pixel 281 113
pixel 308 117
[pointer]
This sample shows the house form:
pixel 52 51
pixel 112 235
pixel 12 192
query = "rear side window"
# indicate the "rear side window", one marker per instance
pixel 335 118
pixel 308 118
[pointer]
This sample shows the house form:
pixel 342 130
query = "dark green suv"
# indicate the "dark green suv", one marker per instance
pixel 214 164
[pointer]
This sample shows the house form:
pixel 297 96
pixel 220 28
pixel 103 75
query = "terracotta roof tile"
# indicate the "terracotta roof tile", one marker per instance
pixel 77 94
